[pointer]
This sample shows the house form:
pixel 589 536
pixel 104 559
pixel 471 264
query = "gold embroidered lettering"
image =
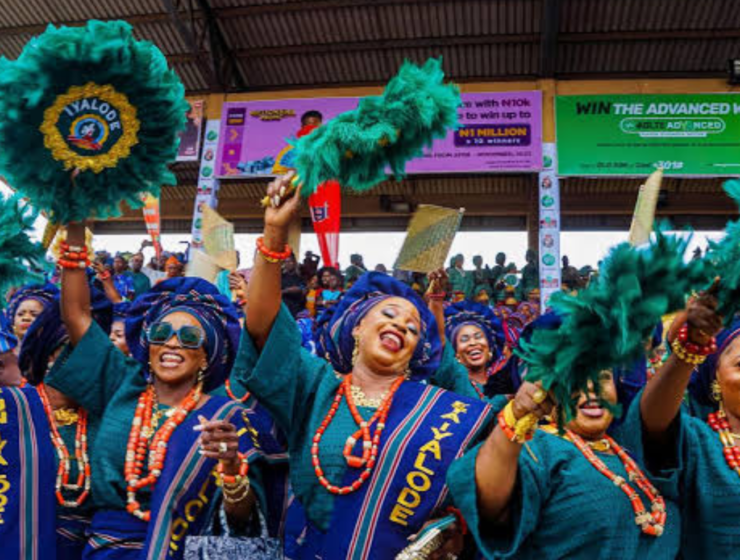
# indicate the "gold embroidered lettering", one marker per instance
pixel 4 487
pixel 409 498
pixel 400 514
pixel 419 480
pixel 3 443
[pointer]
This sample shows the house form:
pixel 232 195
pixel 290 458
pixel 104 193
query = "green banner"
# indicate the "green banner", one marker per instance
pixel 692 134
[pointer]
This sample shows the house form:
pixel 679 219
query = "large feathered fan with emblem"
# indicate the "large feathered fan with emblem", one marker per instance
pixel 92 99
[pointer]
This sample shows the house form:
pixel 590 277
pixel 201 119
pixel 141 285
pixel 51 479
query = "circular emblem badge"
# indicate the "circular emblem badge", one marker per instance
pixel 548 260
pixel 90 127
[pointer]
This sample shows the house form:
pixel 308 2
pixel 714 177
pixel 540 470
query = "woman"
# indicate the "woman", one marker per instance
pixel 365 464
pixel 152 473
pixel 330 288
pixel 572 495
pixel 63 426
pixel 26 304
pixel 477 337
pixel 118 328
pixel 702 445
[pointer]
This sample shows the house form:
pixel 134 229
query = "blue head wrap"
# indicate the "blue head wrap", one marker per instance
pixel 215 313
pixel 467 312
pixel 48 333
pixel 334 327
pixel 43 293
pixel 700 386
pixel 120 310
pixel 8 340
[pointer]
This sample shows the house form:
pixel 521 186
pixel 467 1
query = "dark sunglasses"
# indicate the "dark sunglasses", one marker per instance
pixel 189 336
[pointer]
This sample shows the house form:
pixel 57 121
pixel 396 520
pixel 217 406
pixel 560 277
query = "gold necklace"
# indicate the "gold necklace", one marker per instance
pixel 599 445
pixel 360 399
pixel 66 416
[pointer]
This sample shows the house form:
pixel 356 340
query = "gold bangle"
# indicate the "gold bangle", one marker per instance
pixel 685 356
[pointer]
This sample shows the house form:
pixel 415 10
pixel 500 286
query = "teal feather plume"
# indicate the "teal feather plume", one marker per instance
pixel 723 258
pixel 105 53
pixel 358 147
pixel 21 259
pixel 606 325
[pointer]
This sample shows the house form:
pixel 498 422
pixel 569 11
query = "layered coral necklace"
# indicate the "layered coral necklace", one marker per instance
pixel 650 522
pixel 369 443
pixel 62 484
pixel 144 443
pixel 719 423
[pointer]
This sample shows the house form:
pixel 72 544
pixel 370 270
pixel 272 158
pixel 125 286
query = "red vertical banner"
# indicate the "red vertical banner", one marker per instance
pixel 326 214
pixel 153 221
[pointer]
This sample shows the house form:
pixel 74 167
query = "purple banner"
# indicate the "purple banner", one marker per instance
pixel 499 132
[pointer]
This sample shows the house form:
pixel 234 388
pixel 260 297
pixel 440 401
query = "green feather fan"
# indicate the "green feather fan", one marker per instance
pixel 723 258
pixel 21 259
pixel 607 324
pixel 91 98
pixel 358 147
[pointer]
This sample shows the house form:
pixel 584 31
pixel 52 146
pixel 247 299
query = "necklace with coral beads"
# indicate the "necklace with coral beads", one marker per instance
pixel 143 443
pixel 232 396
pixel 719 423
pixel 369 444
pixel 650 522
pixel 62 484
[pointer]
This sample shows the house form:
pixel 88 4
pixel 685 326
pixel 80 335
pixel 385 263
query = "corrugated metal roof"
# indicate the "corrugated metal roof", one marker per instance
pixel 313 43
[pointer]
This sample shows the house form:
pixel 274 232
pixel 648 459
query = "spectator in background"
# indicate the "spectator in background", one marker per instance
pixel 354 271
pixel 294 290
pixel 123 280
pixel 142 283
pixel 310 266
pixel 173 268
pixel 311 295
pixel 381 268
pixel 330 284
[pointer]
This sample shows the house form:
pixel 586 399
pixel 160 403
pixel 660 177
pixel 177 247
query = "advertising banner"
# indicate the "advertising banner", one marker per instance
pixel 549 197
pixel 207 193
pixel 153 221
pixel 189 149
pixel 691 134
pixel 500 132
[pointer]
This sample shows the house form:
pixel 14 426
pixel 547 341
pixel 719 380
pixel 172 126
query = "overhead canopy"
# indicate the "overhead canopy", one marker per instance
pixel 221 46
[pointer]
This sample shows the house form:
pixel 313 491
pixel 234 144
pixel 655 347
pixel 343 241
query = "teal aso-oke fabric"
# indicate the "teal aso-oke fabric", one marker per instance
pixel 564 508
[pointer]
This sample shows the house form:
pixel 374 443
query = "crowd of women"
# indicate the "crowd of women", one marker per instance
pixel 182 425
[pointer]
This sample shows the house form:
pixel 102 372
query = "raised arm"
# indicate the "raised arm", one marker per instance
pixel 109 287
pixel 661 400
pixel 435 299
pixel 75 301
pixel 498 459
pixel 264 294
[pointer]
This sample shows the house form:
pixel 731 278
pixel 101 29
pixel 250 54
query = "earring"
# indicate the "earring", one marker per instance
pixel 407 372
pixel 149 374
pixel 201 375
pixel 356 350
pixel 716 391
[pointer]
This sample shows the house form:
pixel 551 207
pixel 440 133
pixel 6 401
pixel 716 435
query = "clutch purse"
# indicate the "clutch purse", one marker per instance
pixel 428 540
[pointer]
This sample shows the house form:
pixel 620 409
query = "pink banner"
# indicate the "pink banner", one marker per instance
pixel 500 132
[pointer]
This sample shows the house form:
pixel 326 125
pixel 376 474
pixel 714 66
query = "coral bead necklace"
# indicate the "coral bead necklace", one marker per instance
pixel 144 443
pixel 369 444
pixel 62 484
pixel 650 522
pixel 719 423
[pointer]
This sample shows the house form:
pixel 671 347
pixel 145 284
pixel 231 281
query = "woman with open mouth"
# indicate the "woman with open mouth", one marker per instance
pixel 477 337
pixel 575 493
pixel 701 445
pixel 160 433
pixel 370 441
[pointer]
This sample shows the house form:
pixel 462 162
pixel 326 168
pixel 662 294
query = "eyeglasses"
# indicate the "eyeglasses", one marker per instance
pixel 189 336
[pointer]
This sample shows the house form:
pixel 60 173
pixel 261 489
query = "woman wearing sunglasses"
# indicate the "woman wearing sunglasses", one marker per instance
pixel 161 435
pixel 370 440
